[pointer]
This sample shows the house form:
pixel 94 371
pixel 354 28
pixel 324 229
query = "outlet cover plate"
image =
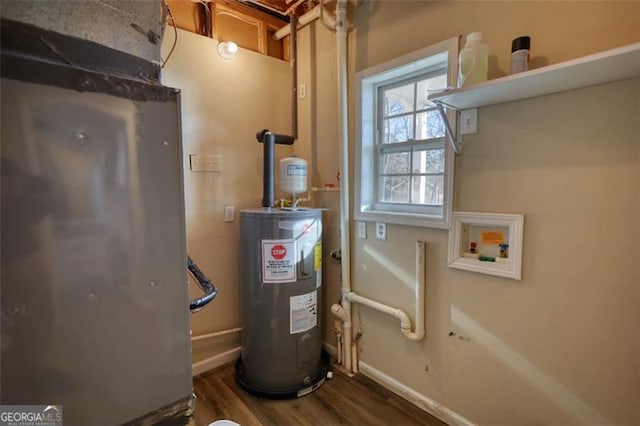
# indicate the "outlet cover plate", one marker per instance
pixel 205 163
pixel 381 231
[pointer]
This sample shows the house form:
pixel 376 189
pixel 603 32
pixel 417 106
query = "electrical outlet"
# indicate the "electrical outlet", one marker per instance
pixel 303 91
pixel 362 230
pixel 381 231
pixel 205 163
pixel 469 121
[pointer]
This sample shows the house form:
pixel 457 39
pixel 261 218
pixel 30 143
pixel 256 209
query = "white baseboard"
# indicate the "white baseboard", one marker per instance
pixel 230 355
pixel 215 361
pixel 331 350
pixel 427 404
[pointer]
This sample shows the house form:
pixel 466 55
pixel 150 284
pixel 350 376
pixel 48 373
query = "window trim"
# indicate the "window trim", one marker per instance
pixel 366 112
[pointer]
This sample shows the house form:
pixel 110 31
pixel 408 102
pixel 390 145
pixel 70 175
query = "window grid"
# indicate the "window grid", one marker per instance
pixel 410 146
pixel 424 147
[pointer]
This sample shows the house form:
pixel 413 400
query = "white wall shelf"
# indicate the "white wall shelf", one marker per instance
pixel 604 67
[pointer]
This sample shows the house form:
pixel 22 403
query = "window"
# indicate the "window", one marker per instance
pixel 410 154
pixel 404 167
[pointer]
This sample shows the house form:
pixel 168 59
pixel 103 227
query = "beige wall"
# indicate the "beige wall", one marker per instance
pixel 563 345
pixel 224 104
pixel 559 30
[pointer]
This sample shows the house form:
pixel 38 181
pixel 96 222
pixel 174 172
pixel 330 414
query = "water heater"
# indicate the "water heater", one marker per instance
pixel 280 294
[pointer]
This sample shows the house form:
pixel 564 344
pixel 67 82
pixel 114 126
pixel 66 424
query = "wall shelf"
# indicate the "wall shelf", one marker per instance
pixel 604 67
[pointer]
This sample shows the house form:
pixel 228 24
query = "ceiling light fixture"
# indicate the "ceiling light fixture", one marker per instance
pixel 226 49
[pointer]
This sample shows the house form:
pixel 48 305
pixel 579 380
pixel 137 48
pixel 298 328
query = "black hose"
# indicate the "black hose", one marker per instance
pixel 205 284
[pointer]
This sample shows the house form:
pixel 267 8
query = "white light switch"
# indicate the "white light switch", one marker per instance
pixel 229 213
pixel 362 230
pixel 469 119
pixel 205 163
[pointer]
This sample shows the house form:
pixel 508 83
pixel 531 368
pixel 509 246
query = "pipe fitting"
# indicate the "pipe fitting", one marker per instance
pixel 342 314
pixel 405 321
pixel 415 336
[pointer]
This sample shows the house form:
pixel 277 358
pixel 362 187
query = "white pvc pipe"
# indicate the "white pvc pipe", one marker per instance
pixel 420 293
pixel 344 323
pixel 308 17
pixel 385 309
pixel 340 312
pixel 341 30
pixel 216 334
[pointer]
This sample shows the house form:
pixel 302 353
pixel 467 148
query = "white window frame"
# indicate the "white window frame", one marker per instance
pixel 367 83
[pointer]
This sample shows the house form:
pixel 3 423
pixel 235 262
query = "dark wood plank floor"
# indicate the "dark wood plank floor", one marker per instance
pixel 339 401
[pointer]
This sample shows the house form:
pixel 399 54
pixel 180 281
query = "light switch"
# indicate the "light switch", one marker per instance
pixel 469 119
pixel 229 213
pixel 362 230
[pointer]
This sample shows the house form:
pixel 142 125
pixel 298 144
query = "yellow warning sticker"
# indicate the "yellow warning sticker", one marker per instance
pixel 492 238
pixel 318 257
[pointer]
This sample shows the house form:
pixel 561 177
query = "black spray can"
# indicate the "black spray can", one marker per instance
pixel 520 54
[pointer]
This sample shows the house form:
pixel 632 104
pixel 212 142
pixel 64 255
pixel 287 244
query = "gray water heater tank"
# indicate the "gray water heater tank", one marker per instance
pixel 280 286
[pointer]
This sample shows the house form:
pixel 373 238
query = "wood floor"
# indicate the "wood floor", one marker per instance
pixel 339 401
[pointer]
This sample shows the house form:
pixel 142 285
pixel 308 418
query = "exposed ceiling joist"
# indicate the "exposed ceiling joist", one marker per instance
pixel 282 7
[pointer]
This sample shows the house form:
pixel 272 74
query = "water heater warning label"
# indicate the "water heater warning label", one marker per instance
pixel 278 261
pixel 303 312
pixel 318 264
